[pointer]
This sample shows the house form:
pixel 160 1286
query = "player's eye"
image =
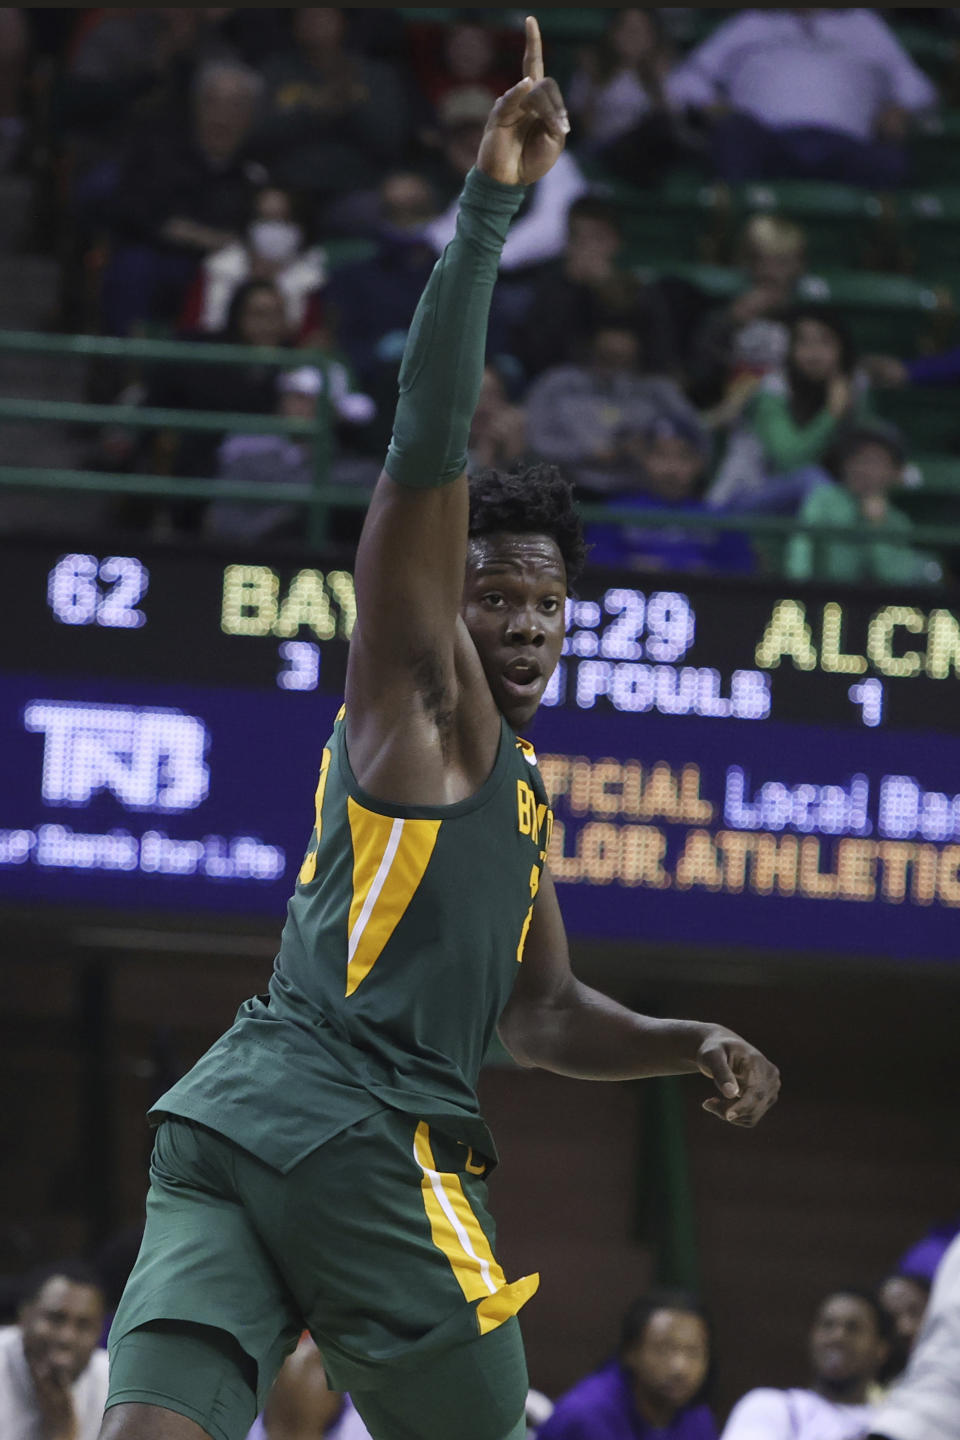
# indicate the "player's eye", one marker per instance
pixel 494 599
pixel 551 604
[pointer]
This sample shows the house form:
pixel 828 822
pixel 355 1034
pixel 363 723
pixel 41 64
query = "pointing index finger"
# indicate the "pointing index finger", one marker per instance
pixel 533 51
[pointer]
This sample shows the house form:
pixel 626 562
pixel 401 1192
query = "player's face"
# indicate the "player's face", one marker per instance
pixel 669 1362
pixel 845 1343
pixel 61 1327
pixel 513 605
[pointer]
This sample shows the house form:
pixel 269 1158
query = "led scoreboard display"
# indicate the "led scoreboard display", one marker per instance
pixel 733 765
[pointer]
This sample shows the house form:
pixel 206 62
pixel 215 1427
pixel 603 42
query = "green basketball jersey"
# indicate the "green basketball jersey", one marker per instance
pixel 399 952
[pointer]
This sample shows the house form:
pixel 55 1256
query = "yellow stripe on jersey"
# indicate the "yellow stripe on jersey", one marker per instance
pixel 389 860
pixel 309 867
pixel 458 1234
pixel 454 1228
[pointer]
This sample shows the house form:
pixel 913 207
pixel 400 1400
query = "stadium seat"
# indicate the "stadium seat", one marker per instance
pixel 841 222
pixel 885 312
pixel 935 149
pixel 928 417
pixel 684 219
pixel 930 224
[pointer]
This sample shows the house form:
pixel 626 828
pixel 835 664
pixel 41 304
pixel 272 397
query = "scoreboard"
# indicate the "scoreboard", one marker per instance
pixel 734 765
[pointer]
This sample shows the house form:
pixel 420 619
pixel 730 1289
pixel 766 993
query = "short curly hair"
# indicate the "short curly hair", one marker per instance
pixel 529 500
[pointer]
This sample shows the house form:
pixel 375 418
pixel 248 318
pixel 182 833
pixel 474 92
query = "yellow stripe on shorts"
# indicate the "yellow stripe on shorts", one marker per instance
pixel 458 1234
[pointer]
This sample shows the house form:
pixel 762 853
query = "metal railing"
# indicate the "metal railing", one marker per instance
pixel 320 496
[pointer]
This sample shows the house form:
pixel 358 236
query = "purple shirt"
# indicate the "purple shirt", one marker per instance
pixel 601 1408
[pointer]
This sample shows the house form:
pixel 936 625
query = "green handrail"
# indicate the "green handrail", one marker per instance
pixel 320 495
pixel 151 417
pixel 117 348
pixel 356 497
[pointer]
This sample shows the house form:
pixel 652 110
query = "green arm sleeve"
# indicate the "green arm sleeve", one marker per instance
pixel 785 444
pixel 443 361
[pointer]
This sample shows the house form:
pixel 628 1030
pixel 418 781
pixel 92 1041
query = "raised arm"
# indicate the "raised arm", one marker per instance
pixel 412 552
pixel 555 1022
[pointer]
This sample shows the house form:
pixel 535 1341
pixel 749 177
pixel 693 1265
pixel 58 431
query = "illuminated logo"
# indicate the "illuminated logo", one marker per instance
pixel 150 760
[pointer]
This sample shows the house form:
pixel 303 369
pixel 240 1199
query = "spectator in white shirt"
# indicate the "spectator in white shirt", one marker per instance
pixel 820 94
pixel 540 233
pixel 848 1348
pixel 925 1405
pixel 53 1375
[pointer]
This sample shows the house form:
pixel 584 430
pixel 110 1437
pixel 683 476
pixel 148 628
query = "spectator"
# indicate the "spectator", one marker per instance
pixel 283 459
pixel 791 421
pixel 736 344
pixel 498 435
pixel 926 1403
pixel 334 120
pixel 591 418
pixel 585 289
pixel 301 1407
pixel 540 232
pixel 256 317
pixel 470 59
pixel 371 302
pixel 813 94
pixel 618 98
pixel 892 374
pixel 180 198
pixel 654 1387
pixel 904 1297
pixel 848 1347
pixel 53 1377
pixel 673 463
pixel 273 248
pixel 869 464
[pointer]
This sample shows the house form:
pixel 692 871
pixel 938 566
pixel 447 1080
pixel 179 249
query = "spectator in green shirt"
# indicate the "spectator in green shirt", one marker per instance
pixel 772 460
pixel 868 462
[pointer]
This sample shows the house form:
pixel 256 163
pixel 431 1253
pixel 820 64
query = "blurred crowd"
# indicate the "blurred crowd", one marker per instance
pixel 287 178
pixel 881 1362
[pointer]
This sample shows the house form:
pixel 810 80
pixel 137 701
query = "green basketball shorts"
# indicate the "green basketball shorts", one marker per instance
pixel 379 1243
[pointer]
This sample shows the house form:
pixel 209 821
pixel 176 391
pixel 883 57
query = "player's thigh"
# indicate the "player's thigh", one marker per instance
pixel 474 1391
pixel 386 1241
pixel 149 1422
pixel 206 1320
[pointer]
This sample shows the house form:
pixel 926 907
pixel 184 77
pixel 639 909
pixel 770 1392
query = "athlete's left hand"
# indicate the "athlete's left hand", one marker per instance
pixel 747 1081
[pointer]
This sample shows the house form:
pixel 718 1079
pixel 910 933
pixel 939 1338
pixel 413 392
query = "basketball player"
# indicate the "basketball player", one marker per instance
pixel 324 1164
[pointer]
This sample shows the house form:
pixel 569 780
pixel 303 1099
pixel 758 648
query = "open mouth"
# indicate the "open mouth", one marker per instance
pixel 522 677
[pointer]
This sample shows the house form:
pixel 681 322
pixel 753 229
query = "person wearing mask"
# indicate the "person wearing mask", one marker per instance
pixel 654 1388
pixel 53 1374
pixel 848 1347
pixel 273 248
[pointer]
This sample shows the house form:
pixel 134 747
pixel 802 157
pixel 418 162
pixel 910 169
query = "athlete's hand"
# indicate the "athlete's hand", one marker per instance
pixel 747 1081
pixel 528 126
